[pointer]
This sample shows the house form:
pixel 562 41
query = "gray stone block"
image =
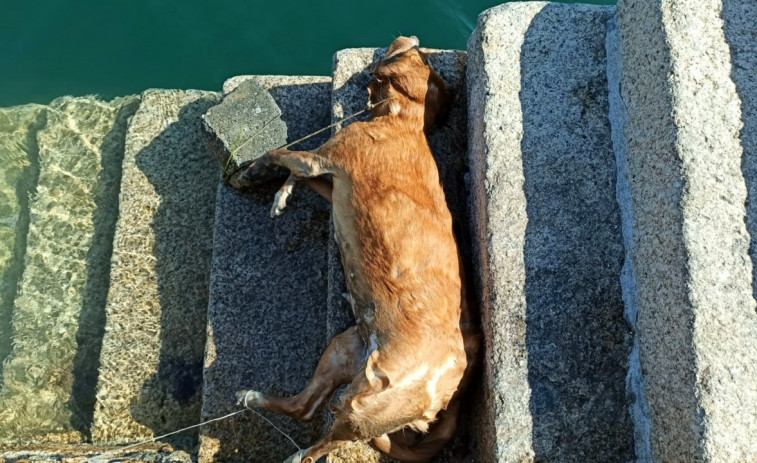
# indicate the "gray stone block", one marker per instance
pixel 449 143
pixel 634 379
pixel 685 126
pixel 243 127
pixel 48 389
pixel 151 361
pixel 547 240
pixel 20 160
pixel 266 317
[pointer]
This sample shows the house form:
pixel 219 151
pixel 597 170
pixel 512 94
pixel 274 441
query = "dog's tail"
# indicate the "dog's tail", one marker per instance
pixel 403 445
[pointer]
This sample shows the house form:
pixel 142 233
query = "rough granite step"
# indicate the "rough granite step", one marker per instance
pixel 684 123
pixel 20 160
pixel 267 311
pixel 548 244
pixel 48 383
pixel 150 378
pixel 449 144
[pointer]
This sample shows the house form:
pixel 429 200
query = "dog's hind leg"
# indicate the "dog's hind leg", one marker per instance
pixel 396 444
pixel 363 413
pixel 341 361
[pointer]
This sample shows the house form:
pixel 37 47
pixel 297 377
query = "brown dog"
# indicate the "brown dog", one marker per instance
pixel 413 346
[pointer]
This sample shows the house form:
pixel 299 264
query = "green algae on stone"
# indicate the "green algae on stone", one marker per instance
pixel 79 157
pixel 18 176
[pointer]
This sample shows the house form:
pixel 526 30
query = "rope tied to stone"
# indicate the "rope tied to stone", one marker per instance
pixel 150 441
pixel 220 418
pixel 244 165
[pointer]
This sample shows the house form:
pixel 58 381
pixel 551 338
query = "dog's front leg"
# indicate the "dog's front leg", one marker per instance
pixel 302 165
pixel 320 185
pixel 280 200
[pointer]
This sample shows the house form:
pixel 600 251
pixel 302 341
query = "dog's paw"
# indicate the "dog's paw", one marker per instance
pixel 258 171
pixel 250 399
pixel 279 202
pixel 298 457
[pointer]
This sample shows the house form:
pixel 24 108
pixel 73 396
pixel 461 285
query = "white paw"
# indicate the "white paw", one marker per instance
pixel 280 200
pixel 296 457
pixel 279 203
pixel 250 399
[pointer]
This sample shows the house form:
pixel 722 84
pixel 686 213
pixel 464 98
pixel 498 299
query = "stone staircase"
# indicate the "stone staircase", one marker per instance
pixel 599 162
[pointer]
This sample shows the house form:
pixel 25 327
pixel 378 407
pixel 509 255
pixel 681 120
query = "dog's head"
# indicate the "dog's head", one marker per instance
pixel 405 78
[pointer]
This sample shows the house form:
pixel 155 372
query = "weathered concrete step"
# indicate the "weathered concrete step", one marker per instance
pixel 48 387
pixel 548 242
pixel 18 178
pixel 267 306
pixel 449 144
pixel 151 360
pixel 685 129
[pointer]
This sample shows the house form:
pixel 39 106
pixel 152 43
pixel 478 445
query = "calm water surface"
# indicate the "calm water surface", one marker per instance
pixel 52 48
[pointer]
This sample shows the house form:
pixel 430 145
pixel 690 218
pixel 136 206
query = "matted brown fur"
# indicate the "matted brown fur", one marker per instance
pixel 413 345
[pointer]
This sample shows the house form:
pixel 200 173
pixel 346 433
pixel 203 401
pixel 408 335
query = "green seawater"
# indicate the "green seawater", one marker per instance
pixel 112 48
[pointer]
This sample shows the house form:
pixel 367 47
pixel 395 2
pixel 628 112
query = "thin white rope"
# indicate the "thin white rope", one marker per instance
pixel 131 446
pixel 269 421
pixel 149 441
pixel 368 107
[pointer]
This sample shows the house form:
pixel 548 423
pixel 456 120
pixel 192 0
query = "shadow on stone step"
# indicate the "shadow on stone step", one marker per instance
pixel 185 179
pixel 449 143
pixel 25 188
pixel 91 325
pixel 739 19
pixel 577 340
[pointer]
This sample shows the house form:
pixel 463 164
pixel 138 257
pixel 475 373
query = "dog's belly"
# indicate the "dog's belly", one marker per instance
pixel 361 290
pixel 358 291
pixel 420 362
pixel 399 260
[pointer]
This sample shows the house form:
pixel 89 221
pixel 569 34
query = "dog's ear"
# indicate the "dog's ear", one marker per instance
pixel 437 100
pixel 435 91
pixel 379 72
pixel 399 46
